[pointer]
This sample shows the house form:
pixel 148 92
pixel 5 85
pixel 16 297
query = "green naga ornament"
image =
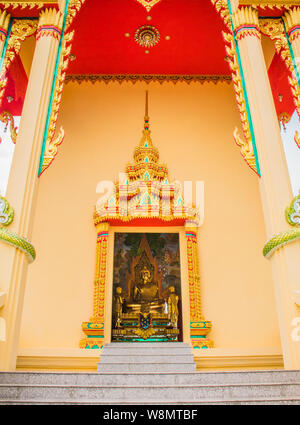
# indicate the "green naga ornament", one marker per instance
pixel 6 212
pixel 292 215
pixel 11 238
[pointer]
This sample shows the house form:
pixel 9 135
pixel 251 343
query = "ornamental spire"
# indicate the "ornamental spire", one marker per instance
pixel 146 156
pixel 146 140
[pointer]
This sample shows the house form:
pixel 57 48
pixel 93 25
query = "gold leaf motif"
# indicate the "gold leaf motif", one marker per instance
pixel 246 149
pixel 148 4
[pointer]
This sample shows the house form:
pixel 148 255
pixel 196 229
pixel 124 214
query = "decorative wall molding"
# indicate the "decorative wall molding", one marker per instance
pixel 270 4
pixel 23 4
pixel 147 78
pixel 86 360
pixel 250 362
pixel 243 22
pixel 245 143
pixel 52 143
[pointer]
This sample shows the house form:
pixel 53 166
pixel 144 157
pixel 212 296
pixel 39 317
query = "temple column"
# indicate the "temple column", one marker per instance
pixel 94 329
pixel 275 188
pixel 22 185
pixel 199 328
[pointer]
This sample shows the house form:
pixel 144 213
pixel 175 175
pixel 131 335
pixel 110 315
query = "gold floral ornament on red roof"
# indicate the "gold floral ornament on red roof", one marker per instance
pixel 147 36
pixel 148 4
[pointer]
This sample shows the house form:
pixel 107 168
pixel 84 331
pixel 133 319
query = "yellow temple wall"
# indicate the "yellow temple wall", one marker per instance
pixel 192 127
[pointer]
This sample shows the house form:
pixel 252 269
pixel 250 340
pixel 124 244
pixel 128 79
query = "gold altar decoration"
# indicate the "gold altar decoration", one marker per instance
pixel 145 312
pixel 144 192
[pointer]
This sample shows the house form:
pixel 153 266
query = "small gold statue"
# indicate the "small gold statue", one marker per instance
pixel 118 301
pixel 173 307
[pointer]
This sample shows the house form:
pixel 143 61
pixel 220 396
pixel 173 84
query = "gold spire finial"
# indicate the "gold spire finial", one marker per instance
pixel 146 119
pixel 146 156
pixel 146 106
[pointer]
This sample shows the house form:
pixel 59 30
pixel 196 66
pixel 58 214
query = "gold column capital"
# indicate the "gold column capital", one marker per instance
pixel 51 17
pixel 245 22
pixel 50 23
pixel 291 20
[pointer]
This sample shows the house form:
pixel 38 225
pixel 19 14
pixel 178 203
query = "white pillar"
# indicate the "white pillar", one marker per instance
pixel 275 188
pixel 22 185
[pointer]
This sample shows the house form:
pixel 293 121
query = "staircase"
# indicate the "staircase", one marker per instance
pixel 150 373
pixel 155 357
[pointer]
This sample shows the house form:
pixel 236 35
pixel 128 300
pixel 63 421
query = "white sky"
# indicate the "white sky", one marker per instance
pixel 6 154
pixel 291 150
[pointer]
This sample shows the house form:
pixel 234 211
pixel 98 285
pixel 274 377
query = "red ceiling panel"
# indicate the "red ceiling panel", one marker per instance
pixel 196 45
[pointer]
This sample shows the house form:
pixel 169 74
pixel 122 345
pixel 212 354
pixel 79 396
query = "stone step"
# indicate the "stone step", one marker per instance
pixel 147 378
pixel 153 358
pixel 143 351
pixel 155 367
pixel 167 378
pixel 187 393
pixel 262 401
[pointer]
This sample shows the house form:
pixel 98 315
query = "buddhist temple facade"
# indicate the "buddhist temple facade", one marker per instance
pixel 148 196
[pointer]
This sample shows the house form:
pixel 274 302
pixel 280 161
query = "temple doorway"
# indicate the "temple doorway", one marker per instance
pixel 146 304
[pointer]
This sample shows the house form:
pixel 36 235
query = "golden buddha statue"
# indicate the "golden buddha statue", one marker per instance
pixel 145 312
pixel 146 294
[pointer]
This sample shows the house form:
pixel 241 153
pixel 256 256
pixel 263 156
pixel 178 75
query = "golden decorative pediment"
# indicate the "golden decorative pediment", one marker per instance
pixel 145 190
